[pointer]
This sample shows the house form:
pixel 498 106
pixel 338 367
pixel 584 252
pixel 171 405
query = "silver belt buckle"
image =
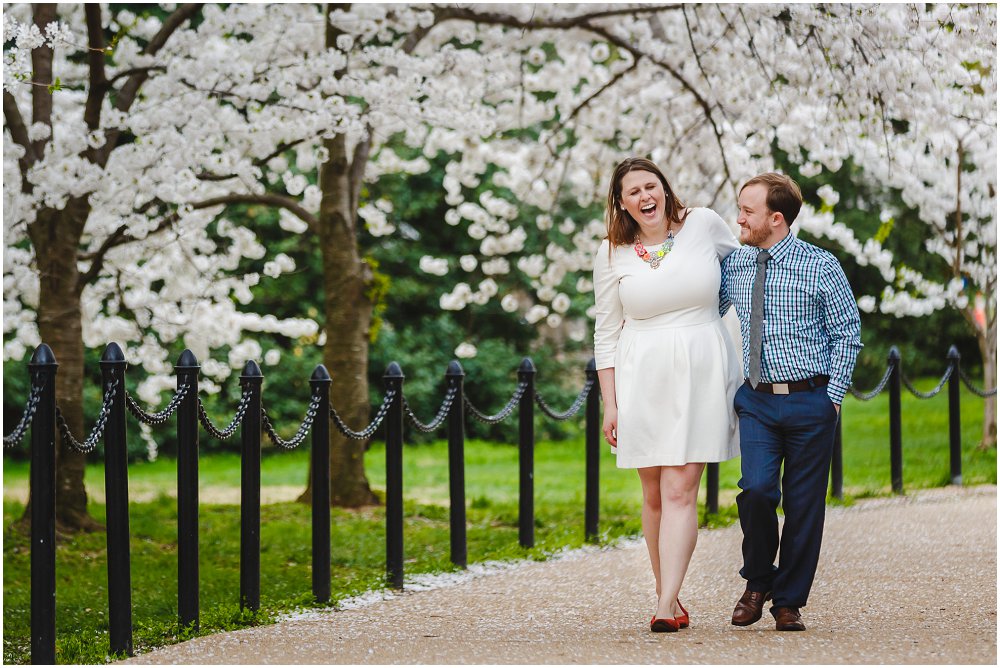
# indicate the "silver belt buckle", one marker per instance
pixel 779 388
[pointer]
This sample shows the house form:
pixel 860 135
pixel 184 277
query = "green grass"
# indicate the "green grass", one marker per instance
pixel 357 539
pixel 358 547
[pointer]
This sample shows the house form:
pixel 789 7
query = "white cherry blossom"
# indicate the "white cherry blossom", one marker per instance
pixel 531 104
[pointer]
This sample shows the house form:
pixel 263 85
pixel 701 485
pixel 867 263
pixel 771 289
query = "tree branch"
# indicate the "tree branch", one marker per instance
pixel 444 13
pixel 356 175
pixel 135 70
pixel 130 90
pixel 120 236
pixel 116 238
pixel 41 73
pixel 959 242
pixel 694 49
pixel 702 102
pixel 95 61
pixel 615 79
pixel 583 21
pixel 208 176
pixel 19 133
pixel 270 199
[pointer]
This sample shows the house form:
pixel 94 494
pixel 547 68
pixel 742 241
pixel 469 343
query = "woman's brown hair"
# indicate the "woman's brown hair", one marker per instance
pixel 623 230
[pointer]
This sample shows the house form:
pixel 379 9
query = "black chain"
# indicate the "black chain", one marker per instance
pixel 237 420
pixel 927 395
pixel 157 418
pixel 874 393
pixel 368 431
pixel 102 420
pixel 972 388
pixel 504 412
pixel 572 410
pixel 439 418
pixel 300 434
pixel 29 412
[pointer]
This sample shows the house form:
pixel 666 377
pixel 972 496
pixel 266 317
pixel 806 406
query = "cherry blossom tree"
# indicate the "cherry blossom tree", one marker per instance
pixel 128 138
pixel 93 223
pixel 907 92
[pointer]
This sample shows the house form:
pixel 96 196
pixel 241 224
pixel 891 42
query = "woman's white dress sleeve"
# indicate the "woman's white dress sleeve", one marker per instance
pixel 609 316
pixel 722 236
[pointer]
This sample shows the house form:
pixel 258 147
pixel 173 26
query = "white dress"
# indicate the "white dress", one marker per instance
pixel 676 368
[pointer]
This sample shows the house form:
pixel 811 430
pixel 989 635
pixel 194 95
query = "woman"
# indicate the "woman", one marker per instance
pixel 668 369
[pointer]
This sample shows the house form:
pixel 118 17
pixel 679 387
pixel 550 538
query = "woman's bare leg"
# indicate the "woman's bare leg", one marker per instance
pixel 678 531
pixel 651 517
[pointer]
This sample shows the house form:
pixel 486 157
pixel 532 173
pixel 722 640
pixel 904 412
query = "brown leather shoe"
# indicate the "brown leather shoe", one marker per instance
pixel 750 607
pixel 787 619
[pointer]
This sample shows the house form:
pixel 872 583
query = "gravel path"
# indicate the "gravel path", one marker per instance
pixel 909 580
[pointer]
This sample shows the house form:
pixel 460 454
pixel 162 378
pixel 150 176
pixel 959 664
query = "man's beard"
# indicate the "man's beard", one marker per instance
pixel 754 237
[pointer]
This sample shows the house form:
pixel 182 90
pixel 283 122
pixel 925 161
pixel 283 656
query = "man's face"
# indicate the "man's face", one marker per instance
pixel 756 221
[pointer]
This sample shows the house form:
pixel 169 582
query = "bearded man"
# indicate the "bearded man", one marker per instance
pixel 801 337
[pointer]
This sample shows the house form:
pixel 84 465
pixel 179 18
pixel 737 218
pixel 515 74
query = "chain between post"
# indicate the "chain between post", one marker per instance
pixel 300 434
pixel 439 417
pixel 162 416
pixel 29 412
pixel 370 430
pixel 972 388
pixel 572 410
pixel 224 434
pixel 927 395
pixel 863 396
pixel 88 445
pixel 504 412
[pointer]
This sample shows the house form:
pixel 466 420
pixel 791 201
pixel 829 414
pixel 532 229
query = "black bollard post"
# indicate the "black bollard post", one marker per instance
pixel 955 416
pixel 43 509
pixel 394 477
pixel 320 384
pixel 455 378
pixel 526 455
pixel 591 513
pixel 252 380
pixel 895 421
pixel 837 462
pixel 712 488
pixel 188 606
pixel 113 367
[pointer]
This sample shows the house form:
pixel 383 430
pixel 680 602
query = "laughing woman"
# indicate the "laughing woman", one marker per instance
pixel 667 368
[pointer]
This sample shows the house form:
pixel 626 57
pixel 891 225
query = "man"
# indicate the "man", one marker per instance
pixel 801 337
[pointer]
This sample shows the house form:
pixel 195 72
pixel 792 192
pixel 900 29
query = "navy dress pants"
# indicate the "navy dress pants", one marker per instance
pixel 796 430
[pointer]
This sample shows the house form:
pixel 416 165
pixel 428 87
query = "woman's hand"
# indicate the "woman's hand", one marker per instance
pixel 606 377
pixel 610 426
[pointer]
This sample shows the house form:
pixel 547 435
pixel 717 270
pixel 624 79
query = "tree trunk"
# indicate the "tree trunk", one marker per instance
pixel 347 311
pixel 988 352
pixel 55 236
pixel 347 322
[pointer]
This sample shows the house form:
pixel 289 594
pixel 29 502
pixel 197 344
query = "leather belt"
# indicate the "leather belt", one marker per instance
pixel 794 386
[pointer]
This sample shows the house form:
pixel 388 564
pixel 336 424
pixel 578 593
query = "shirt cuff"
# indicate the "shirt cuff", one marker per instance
pixel 836 389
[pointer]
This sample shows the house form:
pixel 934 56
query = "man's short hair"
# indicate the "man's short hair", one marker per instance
pixel 783 194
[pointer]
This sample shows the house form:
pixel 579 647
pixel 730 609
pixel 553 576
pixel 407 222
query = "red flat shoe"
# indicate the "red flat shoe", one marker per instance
pixel 664 625
pixel 684 619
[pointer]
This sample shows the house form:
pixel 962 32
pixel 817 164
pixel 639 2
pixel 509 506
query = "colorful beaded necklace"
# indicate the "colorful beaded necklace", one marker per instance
pixel 654 258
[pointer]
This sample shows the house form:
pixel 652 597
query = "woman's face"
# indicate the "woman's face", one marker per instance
pixel 644 199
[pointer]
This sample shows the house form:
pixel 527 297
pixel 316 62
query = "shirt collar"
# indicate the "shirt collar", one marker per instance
pixel 781 250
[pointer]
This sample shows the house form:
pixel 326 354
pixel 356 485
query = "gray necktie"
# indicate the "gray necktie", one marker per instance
pixel 757 318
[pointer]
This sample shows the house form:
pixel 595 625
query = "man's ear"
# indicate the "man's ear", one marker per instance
pixel 778 218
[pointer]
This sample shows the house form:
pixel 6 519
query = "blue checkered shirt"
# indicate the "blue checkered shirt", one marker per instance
pixel 811 322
